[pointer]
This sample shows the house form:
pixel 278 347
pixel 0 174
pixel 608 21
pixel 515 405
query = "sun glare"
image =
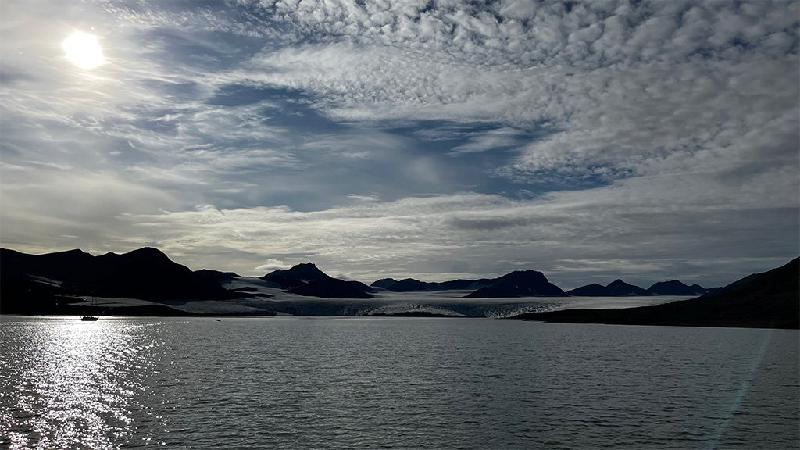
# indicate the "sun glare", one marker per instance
pixel 83 50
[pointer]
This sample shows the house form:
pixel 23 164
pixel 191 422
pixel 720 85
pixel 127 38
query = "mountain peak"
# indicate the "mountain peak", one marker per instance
pixel 145 251
pixel 308 268
pixel 307 279
pixel 532 274
pixel 75 252
pixel 675 287
pixel 298 274
pixel 520 283
pixel 616 288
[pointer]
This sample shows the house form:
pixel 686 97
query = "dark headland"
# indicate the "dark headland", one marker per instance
pixel 763 300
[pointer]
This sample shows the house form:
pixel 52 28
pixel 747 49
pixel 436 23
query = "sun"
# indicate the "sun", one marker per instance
pixel 83 50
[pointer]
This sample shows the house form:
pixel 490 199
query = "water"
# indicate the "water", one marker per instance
pixel 393 382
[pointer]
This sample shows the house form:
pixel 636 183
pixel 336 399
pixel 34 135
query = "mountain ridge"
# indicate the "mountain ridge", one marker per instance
pixel 616 288
pixel 147 273
pixel 768 299
pixel 144 273
pixel 519 283
pixel 307 279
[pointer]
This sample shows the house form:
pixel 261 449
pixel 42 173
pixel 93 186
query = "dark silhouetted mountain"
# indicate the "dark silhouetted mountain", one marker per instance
pixel 620 288
pixel 384 283
pixel 616 288
pixel 590 290
pixel 410 284
pixel 675 287
pixel 527 283
pixel 307 279
pixel 464 284
pixel 216 276
pixel 404 285
pixel 298 275
pixel 333 288
pixel 145 273
pixel 764 300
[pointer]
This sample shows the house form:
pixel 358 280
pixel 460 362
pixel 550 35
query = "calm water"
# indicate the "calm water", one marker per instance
pixel 358 382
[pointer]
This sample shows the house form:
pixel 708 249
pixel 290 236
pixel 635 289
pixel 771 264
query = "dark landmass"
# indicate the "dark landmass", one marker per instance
pixel 58 283
pixel 521 283
pixel 410 285
pixel 296 276
pixel 675 287
pixel 307 279
pixel 40 283
pixel 616 288
pixel 333 288
pixel 405 285
pixel 763 300
pixel 216 276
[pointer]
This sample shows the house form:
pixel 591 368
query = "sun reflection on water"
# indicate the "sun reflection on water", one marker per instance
pixel 78 384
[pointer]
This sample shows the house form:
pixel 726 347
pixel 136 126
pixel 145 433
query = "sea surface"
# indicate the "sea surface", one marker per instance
pixel 291 382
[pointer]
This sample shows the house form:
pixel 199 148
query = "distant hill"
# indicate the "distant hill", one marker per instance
pixel 765 300
pixel 307 279
pixel 616 288
pixel 410 285
pixel 521 283
pixel 675 287
pixel 216 275
pixel 34 282
pixel 404 285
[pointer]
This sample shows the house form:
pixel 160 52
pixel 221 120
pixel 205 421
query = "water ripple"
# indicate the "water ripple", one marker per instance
pixel 383 382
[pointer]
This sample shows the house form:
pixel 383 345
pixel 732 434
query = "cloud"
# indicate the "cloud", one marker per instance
pixel 500 138
pixel 475 234
pixel 270 265
pixel 653 135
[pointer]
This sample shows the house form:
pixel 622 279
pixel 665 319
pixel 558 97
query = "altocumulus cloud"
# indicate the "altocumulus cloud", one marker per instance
pixel 432 139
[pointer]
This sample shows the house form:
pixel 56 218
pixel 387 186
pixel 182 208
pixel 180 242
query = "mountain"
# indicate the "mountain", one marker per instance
pixel 216 275
pixel 404 285
pixel 590 290
pixel 298 275
pixel 307 279
pixel 675 287
pixel 616 288
pixel 521 283
pixel 386 283
pixel 333 288
pixel 410 284
pixel 763 300
pixel 464 284
pixel 41 281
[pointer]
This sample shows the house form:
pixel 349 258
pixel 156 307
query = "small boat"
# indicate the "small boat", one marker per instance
pixel 91 318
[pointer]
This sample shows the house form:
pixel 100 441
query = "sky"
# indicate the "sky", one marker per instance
pixel 433 139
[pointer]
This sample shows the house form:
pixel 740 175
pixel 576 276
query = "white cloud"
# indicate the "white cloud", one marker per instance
pixel 475 234
pixel 687 109
pixel 493 139
pixel 270 265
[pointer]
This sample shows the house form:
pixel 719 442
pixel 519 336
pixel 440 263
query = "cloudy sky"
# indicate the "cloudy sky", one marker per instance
pixel 434 139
